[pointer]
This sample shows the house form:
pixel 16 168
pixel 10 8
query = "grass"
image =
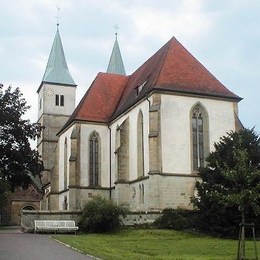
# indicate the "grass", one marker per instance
pixel 4 228
pixel 156 244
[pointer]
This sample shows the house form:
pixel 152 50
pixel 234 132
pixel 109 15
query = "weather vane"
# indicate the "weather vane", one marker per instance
pixel 58 15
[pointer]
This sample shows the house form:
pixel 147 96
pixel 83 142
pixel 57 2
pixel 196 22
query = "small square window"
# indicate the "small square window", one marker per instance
pixel 59 100
pixel 62 100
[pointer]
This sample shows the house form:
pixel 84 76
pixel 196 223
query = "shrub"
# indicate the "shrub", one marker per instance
pixel 178 219
pixel 101 215
pixel 220 221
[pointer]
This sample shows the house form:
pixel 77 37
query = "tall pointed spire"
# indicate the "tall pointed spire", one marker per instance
pixel 57 69
pixel 116 65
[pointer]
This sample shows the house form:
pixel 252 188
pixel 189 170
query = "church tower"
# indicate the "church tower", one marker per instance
pixel 56 97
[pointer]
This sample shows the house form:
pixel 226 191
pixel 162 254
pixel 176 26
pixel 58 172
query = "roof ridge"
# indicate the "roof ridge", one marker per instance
pixel 165 56
pixel 187 64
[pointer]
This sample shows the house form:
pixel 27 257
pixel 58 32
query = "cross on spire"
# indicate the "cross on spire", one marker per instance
pixel 116 27
pixel 58 17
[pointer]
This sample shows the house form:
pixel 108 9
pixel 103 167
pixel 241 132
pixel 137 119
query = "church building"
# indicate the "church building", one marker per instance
pixel 137 139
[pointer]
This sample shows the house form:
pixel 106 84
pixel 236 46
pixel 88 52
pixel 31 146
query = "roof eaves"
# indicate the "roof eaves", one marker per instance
pixel 76 120
pixel 216 95
pixel 57 84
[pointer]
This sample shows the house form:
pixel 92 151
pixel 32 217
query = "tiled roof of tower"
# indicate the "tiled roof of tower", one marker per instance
pixel 101 99
pixel 116 64
pixel 57 69
pixel 174 69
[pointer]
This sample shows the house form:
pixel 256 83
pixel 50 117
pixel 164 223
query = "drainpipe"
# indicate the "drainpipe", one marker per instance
pixel 110 160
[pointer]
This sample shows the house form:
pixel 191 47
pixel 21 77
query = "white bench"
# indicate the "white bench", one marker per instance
pixel 55 226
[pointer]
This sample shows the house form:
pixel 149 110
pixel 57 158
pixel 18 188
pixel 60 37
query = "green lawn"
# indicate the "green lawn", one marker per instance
pixel 156 244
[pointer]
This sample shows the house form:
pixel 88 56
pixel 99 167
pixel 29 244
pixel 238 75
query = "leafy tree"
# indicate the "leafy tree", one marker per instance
pixel 17 159
pixel 230 187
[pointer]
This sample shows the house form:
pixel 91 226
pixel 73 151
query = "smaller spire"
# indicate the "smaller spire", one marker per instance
pixel 116 65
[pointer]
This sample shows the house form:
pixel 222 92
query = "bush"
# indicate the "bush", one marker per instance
pixel 219 221
pixel 178 219
pixel 101 215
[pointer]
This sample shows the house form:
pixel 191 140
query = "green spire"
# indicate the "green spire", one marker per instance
pixel 57 69
pixel 116 65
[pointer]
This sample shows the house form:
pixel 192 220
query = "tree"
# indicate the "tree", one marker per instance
pixel 17 159
pixel 230 185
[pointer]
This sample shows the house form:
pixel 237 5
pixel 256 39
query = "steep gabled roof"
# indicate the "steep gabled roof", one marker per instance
pixel 172 68
pixel 57 71
pixel 101 99
pixel 116 64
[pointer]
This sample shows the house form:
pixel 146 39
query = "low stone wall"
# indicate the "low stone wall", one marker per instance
pixel 28 217
pixel 140 218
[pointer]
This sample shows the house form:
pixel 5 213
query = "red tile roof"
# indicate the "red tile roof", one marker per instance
pixel 171 69
pixel 101 99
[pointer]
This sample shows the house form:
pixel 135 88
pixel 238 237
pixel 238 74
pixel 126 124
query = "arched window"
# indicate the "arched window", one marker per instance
pixel 200 143
pixel 94 159
pixel 123 152
pixel 141 193
pixel 140 145
pixel 28 208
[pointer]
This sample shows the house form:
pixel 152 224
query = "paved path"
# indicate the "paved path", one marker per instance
pixel 15 245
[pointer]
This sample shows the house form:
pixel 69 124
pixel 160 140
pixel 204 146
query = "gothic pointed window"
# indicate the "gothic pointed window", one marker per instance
pixel 94 159
pixel 199 122
pixel 122 152
pixel 140 145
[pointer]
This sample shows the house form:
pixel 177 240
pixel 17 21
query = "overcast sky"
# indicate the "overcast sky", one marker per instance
pixel 224 35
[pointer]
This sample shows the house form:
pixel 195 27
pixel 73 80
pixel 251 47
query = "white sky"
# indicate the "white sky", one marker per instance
pixel 224 35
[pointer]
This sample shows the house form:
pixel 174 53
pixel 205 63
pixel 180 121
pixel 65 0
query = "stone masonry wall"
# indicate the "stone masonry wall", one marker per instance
pixel 28 217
